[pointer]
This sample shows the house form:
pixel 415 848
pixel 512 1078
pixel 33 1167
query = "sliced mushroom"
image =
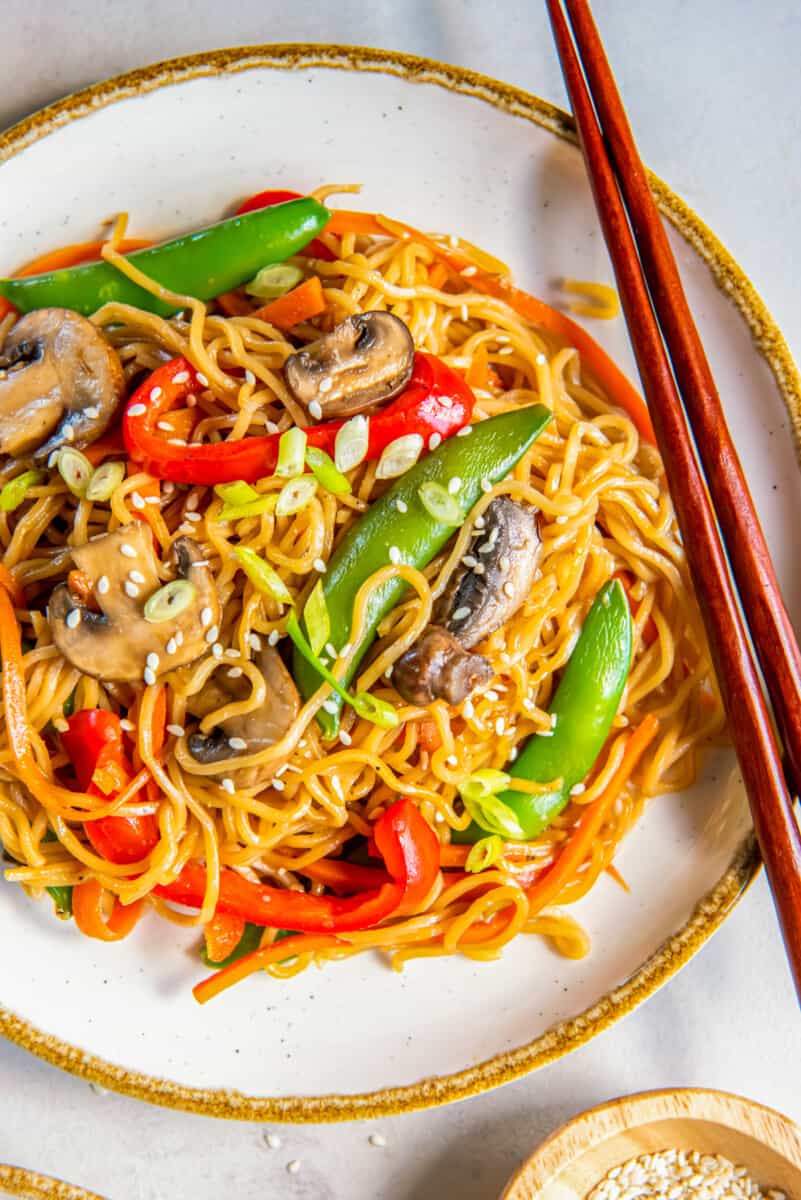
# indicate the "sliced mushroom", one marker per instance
pixel 118 643
pixel 60 381
pixel 367 358
pixel 246 733
pixel 485 591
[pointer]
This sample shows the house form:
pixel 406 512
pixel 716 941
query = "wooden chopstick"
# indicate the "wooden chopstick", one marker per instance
pixel 746 708
pixel 773 636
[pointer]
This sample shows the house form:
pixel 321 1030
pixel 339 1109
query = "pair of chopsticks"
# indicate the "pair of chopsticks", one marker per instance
pixel 725 546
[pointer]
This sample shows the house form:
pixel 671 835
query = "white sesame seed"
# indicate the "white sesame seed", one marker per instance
pixel 217 650
pixel 171 646
pixel 331 705
pixel 541 360
pixel 315 410
pixel 401 505
pixel 452 760
pixel 136 576
pixel 137 500
pixel 205 617
pixel 181 377
pixel 176 442
pixel 232 652
pixel 454 484
pixel 130 589
pixel 152 499
pixel 152 661
pixel 331 649
pixel 127 550
pixel 127 725
pixel 319 565
pixel 504 562
pixel 53 458
pixel 554 719
pixel 272 1140
pixel 480 522
pixel 179 637
pixel 486 486
pixel 69 433
pixel 136 410
pixel 165 426
pixel 250 378
pixel 505 350
pixel 469 562
pixel 463 312
pixel 234 672
pixel 461 613
pixel 377 1139
pixel 388 672
pixel 192 502
pixel 434 441
pixel 345 737
pixel 544 733
pixel 176 730
pixel 478 569
pixel 73 618
pixel 445 401
pixel 394 555
pixel 254 641
pixel 237 743
pixel 212 634
pixel 192 516
pixel 508 589
pixel 149 676
pixel 271 426
pixel 156 393
pixel 92 411
pixel 500 726
pixel 274 638
pixel 468 709
pixel 491 694
pixel 227 785
pixel 278 785
pixel 202 380
pixel 294 1166
pixel 346 649
pixel 465 431
pixel 60 725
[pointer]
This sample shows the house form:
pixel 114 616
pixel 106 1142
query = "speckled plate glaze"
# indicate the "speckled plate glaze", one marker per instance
pixel 448 150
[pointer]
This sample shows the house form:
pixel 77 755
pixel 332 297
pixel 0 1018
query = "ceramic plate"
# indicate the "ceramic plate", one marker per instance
pixel 446 150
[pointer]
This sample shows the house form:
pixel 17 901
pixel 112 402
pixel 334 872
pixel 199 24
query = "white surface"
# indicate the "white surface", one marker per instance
pixel 730 1020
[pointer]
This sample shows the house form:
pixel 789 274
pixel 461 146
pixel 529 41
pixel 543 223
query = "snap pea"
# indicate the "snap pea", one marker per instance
pixel 202 264
pixel 399 520
pixel 582 712
pixel 62 898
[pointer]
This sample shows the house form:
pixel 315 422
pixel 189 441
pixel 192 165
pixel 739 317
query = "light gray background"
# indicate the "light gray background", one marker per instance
pixel 714 92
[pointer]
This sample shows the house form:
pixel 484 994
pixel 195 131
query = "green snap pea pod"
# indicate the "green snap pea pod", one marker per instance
pixel 62 898
pixel 583 709
pixel 202 264
pixel 400 520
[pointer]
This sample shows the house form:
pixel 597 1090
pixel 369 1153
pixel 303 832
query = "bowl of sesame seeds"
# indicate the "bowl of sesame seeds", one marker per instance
pixel 685 1144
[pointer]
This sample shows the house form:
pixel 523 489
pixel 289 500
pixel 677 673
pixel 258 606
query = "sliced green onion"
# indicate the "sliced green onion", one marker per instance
pixel 75 469
pixel 316 618
pixel 291 452
pixel 273 281
pixel 351 442
pixel 253 508
pixel 440 504
pixel 263 577
pixel 485 853
pixel 325 471
pixel 169 601
pixel 105 480
pixel 237 493
pixel 15 491
pixel 377 711
pixel 295 495
pixel 479 794
pixel 399 456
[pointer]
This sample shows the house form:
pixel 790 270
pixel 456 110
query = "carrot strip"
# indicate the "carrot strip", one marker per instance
pixel 233 304
pixel 223 934
pixel 477 375
pixel 438 275
pixel 618 878
pixel 87 908
pixel 591 821
pixel 649 630
pixel 68 256
pixel 301 304
pixel 13 588
pixel 287 948
pixel 104 447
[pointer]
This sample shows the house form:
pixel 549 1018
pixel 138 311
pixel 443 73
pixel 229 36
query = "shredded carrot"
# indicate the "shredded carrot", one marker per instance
pixel 80 585
pixel 110 443
pixel 438 275
pixel 345 220
pixel 477 375
pixel 68 256
pixel 301 304
pixel 234 304
pixel 87 908
pixel 300 943
pixel 428 735
pixel 223 934
pixel 649 633
pixel 612 871
pixel 14 590
pixel 589 825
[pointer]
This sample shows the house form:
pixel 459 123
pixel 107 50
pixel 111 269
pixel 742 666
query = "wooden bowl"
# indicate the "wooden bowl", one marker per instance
pixel 578 1155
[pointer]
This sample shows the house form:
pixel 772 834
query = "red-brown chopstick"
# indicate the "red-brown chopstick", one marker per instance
pixel 773 636
pixel 749 720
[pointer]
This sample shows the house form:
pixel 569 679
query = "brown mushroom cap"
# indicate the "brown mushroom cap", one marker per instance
pixel 436 666
pixel 60 382
pixel 365 359
pixel 262 727
pixel 114 644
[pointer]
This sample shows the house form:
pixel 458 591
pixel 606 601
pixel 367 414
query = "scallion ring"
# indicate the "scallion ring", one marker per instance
pixel 399 456
pixel 484 854
pixel 75 469
pixel 105 480
pixel 351 443
pixel 440 504
pixel 295 495
pixel 169 601
pixel 291 452
pixel 274 281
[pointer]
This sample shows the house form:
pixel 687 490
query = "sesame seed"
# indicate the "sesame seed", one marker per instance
pixel 544 733
pixel 149 676
pixel 278 785
pixel 156 393
pixel 505 350
pixel 500 726
pixel 136 576
pixel 127 550
pixel 234 672
pixel 171 646
pixel 165 426
pixel 136 410
pixel 377 1139
pixel 325 385
pixel 273 1141
pixel 478 569
pixel 192 516
pixel 179 637
pixel 181 377
pixel 445 401
pixel 205 617
pixel 388 672
pixel 60 725
pixel 331 705
pixel 69 433
pixel 554 719
pixel 577 789
pixel 232 652
pixel 434 441
pixel 152 661
pixel 176 730
pixel 294 1166
pixel 227 785
pixel 454 484
pixel 274 638
pixel 331 649
pixel 53 458
pixel 469 271
pixel 152 499
pixel 192 502
pixel 237 743
pixel 463 312
pixel 465 431
pixel 315 410
pixel 254 641
pixel 394 555
pixel 202 380
pixel 271 426
pixel 176 442
pixel 468 709
pixel 490 694
pixel 345 737
pixel 130 589
pixel 452 760
pixel 504 562
pixel 137 500
pixel 469 562
pixel 508 589
pixel 127 725
pixel 212 634
pixel 346 649
pixel 73 618
pixel 486 486
pixel 217 650
pixel 401 505
pixel 319 565
pixel 461 613
pixel 480 522
pixel 250 378
pixel 485 548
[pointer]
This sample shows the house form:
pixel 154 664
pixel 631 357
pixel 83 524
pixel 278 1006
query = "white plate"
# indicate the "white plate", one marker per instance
pixel 451 151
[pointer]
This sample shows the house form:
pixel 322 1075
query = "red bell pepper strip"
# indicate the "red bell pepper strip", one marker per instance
pixel 94 743
pixel 411 852
pixel 436 400
pixel 315 248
